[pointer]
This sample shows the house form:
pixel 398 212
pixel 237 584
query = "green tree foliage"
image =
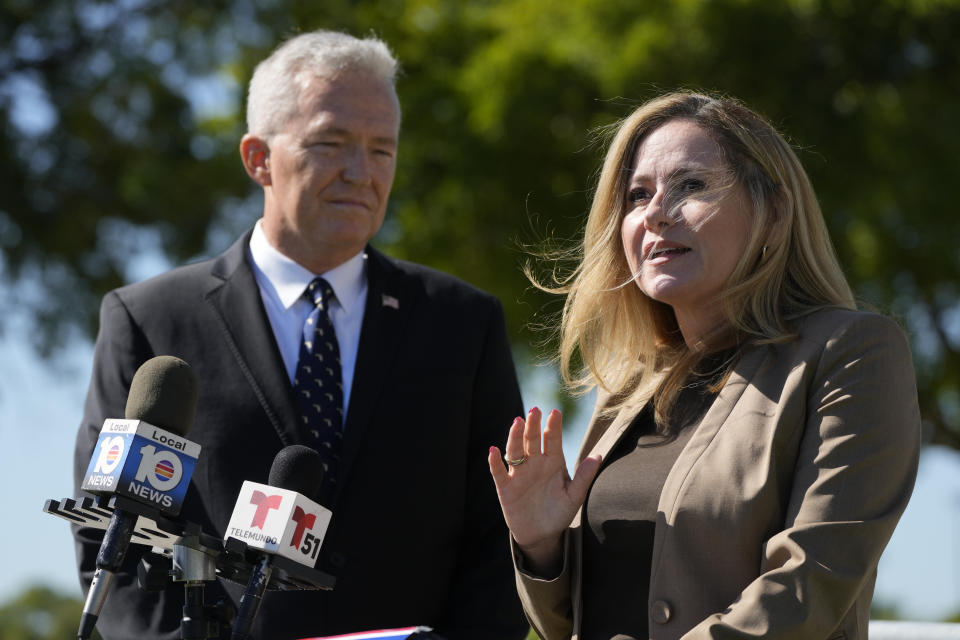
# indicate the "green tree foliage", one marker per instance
pixel 121 119
pixel 884 611
pixel 40 613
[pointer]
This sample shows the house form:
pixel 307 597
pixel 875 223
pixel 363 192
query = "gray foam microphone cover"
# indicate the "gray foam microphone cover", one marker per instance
pixel 163 392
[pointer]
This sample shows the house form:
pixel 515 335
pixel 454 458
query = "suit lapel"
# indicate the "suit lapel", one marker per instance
pixel 235 298
pixel 391 297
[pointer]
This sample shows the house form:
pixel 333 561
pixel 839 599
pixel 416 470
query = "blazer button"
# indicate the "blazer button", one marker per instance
pixel 660 612
pixel 337 560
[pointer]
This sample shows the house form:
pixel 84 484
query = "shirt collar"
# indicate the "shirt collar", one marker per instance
pixel 291 279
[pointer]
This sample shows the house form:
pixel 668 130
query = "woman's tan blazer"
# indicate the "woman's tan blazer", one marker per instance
pixel 773 518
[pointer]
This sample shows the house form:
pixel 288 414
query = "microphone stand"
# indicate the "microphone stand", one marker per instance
pixel 194 564
pixel 193 552
pixel 198 558
pixel 194 556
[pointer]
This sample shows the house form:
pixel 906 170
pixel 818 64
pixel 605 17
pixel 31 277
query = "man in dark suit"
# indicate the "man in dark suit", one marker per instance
pixel 426 379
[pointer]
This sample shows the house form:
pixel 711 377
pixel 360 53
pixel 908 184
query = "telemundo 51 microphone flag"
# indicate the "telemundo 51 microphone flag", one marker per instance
pixel 279 521
pixel 135 459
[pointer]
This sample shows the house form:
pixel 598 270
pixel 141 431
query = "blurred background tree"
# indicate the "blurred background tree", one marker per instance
pixel 119 122
pixel 40 613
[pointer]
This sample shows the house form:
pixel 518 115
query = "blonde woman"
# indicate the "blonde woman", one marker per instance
pixel 755 438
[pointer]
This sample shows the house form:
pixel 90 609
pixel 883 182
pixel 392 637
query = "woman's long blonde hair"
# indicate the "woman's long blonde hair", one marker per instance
pixel 629 344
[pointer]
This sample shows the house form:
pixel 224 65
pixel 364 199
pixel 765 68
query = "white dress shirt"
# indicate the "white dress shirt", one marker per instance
pixel 282 283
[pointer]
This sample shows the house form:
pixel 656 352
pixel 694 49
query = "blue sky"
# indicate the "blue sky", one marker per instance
pixel 41 405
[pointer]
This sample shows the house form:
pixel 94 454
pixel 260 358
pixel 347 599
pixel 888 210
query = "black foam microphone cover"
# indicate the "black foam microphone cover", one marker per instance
pixel 297 468
pixel 163 392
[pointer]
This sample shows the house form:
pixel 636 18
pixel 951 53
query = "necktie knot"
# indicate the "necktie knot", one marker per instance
pixel 319 292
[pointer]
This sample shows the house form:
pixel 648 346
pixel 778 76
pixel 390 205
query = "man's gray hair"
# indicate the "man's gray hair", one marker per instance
pixel 274 88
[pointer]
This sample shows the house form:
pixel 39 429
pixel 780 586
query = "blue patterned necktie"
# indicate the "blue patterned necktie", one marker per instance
pixel 318 385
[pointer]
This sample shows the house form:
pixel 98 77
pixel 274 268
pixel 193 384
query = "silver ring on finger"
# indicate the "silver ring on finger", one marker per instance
pixel 515 463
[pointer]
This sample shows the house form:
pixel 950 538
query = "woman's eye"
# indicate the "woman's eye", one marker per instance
pixel 692 185
pixel 637 194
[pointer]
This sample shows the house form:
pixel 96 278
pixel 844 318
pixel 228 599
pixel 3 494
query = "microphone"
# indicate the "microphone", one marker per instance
pixel 143 457
pixel 280 522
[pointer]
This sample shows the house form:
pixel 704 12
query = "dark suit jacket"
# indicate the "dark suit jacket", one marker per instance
pixel 417 536
pixel 773 518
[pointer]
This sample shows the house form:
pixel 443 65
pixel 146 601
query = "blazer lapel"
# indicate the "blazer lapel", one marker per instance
pixel 710 425
pixel 712 421
pixel 391 298
pixel 696 447
pixel 236 302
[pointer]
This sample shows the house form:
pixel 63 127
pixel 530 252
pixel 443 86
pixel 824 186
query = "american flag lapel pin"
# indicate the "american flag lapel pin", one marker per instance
pixel 389 301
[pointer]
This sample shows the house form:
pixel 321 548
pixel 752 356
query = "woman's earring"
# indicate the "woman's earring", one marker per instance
pixel 763 253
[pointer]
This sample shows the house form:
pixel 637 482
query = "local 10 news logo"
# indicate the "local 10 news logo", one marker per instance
pixel 279 521
pixel 136 459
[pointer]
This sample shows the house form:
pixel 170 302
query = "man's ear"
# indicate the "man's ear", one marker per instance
pixel 255 154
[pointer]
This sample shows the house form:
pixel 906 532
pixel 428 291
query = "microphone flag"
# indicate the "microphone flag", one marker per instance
pixel 138 460
pixel 382 634
pixel 279 521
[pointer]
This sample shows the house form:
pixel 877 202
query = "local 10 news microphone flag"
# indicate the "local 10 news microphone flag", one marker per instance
pixel 144 457
pixel 278 519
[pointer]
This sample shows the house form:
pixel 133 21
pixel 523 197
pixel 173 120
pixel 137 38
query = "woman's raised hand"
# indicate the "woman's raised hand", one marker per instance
pixel 537 495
